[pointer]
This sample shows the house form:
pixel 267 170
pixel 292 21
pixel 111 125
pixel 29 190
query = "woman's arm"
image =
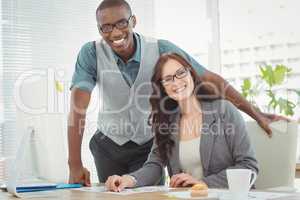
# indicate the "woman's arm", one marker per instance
pixel 239 145
pixel 150 174
pixel 152 171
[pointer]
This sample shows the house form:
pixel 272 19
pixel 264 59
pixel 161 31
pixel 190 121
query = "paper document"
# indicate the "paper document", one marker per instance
pixel 141 190
pixel 127 191
pixel 92 189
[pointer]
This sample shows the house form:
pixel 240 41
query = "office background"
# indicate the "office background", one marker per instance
pixel 229 37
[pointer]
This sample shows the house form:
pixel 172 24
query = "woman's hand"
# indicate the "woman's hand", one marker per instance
pixel 117 183
pixel 183 180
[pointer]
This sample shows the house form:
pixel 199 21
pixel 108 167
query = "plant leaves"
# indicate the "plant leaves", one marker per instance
pixel 246 87
pixel 273 102
pixel 267 74
pixel 279 74
pixel 286 106
pixel 274 76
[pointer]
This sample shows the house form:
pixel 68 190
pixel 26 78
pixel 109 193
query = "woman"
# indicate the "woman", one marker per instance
pixel 197 138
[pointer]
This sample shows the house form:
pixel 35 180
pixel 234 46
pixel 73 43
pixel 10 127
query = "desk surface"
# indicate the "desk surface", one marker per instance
pixel 79 195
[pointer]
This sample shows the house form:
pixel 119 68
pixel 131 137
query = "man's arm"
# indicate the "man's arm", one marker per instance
pixel 79 102
pixel 215 84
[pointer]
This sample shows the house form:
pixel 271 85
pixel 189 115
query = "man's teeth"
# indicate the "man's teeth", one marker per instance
pixel 118 41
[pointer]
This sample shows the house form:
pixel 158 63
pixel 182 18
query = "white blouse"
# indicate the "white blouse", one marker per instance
pixel 189 157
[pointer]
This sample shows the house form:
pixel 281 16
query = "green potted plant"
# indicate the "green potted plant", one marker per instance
pixel 270 83
pixel 279 153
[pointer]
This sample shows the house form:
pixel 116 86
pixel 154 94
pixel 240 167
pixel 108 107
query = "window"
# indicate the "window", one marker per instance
pixel 37 35
pixel 186 25
pixel 248 27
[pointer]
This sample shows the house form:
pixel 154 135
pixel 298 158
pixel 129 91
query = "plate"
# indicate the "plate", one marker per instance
pixel 187 195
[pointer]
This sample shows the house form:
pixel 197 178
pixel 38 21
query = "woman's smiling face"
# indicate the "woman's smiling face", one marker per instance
pixel 177 80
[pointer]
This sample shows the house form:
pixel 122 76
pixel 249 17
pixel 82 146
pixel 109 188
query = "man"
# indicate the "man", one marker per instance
pixel 121 64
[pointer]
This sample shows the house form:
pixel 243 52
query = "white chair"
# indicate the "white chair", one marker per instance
pixel 276 156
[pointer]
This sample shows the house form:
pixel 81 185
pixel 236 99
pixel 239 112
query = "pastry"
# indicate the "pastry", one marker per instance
pixel 199 190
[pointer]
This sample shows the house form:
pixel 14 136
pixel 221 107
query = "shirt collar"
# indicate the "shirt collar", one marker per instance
pixel 137 54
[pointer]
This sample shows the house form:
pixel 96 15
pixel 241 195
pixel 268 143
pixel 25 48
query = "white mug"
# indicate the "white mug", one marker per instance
pixel 239 182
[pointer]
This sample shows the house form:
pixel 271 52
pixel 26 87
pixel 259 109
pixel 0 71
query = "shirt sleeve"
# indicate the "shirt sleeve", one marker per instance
pixel 85 74
pixel 166 46
pixel 152 170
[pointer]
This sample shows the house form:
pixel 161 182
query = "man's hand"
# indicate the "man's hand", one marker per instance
pixel 80 175
pixel 265 119
pixel 183 180
pixel 117 183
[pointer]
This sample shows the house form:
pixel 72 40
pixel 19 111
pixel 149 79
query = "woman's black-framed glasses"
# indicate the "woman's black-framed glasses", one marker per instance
pixel 121 24
pixel 179 74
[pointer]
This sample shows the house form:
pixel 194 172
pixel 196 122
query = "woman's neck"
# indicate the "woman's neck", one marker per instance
pixel 190 106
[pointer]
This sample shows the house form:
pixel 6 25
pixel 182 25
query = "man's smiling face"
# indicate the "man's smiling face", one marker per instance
pixel 119 39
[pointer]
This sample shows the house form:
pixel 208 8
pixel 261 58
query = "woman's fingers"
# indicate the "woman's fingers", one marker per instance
pixel 113 183
pixel 178 179
pixel 181 180
pixel 108 183
pixel 173 179
pixel 189 182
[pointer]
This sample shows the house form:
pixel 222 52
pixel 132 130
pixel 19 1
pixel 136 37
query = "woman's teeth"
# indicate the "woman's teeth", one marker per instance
pixel 180 89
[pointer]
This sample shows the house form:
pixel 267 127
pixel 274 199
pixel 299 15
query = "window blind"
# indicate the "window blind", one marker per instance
pixel 37 35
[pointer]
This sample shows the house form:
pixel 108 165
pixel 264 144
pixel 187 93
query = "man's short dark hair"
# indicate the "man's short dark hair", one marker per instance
pixel 113 3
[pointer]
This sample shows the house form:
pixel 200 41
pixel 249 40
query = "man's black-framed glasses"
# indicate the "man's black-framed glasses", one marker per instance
pixel 179 74
pixel 121 24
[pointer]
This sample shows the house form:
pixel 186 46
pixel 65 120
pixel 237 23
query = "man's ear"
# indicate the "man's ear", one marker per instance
pixel 133 18
pixel 98 25
pixel 99 30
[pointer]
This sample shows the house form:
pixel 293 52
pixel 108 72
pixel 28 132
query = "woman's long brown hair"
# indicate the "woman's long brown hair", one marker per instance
pixel 163 106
